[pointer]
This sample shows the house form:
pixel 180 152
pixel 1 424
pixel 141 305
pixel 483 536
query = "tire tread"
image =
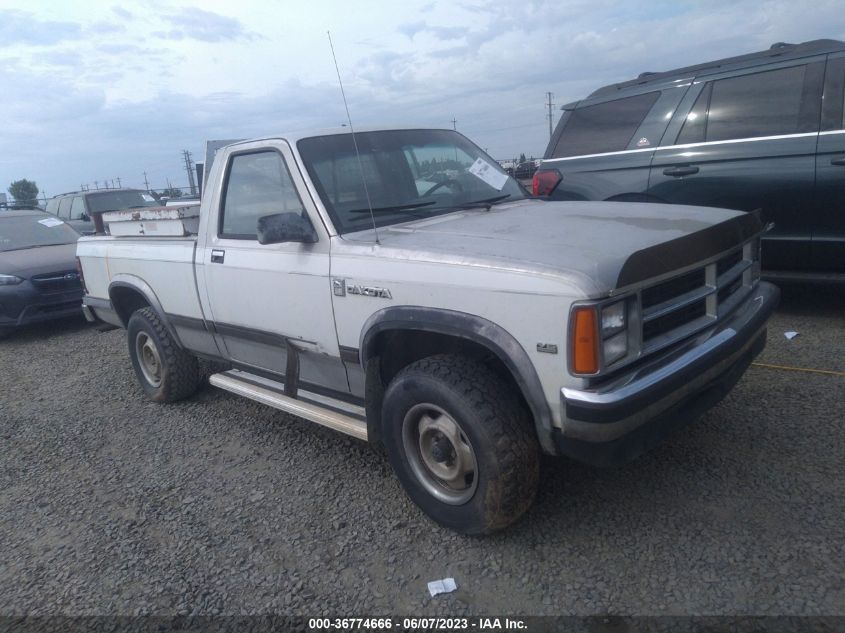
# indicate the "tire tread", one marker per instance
pixel 506 421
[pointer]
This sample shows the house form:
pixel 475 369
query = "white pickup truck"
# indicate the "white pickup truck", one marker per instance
pixel 400 287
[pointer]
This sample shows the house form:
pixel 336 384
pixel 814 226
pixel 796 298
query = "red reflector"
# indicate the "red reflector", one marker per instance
pixel 545 181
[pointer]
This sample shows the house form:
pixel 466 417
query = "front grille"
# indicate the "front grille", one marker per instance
pixel 56 282
pixel 674 319
pixel 668 290
pixel 680 306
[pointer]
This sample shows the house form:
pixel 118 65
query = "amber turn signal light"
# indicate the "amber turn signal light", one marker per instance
pixel 585 338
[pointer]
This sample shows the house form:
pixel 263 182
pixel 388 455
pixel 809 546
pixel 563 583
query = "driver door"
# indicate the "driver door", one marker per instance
pixel 269 301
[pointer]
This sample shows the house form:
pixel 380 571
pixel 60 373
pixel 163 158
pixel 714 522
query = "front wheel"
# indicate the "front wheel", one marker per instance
pixel 166 372
pixel 461 444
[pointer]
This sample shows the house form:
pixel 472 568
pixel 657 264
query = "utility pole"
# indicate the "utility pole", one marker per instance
pixel 118 182
pixel 189 167
pixel 550 105
pixel 454 124
pixel 146 182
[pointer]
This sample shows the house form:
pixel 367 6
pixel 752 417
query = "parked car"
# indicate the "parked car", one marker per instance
pixel 525 169
pixel 759 131
pixel 38 276
pixel 426 303
pixel 82 209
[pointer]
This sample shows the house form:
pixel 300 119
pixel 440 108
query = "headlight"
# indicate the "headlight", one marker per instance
pixel 9 280
pixel 614 331
pixel 615 347
pixel 613 318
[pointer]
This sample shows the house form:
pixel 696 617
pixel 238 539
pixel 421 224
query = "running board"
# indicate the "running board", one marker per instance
pixel 249 386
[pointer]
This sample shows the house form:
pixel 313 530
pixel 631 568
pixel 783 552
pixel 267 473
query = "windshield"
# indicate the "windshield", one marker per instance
pixel 28 231
pixel 408 174
pixel 116 200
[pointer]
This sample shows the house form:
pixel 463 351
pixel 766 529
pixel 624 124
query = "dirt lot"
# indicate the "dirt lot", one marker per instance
pixel 110 504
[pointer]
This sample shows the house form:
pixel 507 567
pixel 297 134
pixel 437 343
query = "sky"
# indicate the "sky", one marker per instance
pixel 97 90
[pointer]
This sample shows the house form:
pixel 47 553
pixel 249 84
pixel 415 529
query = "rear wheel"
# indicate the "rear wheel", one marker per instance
pixel 461 443
pixel 166 372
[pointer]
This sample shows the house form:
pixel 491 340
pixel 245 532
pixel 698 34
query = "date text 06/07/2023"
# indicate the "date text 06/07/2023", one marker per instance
pixel 417 624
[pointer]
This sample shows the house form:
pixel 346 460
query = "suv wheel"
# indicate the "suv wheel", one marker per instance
pixel 461 444
pixel 166 372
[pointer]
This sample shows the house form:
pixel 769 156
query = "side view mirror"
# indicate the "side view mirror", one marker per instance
pixel 84 217
pixel 285 227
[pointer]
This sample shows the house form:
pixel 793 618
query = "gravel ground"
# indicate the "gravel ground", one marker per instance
pixel 110 504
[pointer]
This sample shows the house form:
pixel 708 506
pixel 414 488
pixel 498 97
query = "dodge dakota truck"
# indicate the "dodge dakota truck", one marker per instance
pixel 398 286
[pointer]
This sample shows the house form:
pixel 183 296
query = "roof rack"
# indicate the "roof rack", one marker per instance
pixel 778 49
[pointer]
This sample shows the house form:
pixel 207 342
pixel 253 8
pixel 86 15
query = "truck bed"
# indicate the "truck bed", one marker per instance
pixel 165 264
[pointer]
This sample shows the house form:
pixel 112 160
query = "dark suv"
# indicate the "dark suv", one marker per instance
pixel 759 131
pixel 82 209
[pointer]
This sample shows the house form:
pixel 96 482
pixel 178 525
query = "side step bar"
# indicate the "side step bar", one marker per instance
pixel 249 386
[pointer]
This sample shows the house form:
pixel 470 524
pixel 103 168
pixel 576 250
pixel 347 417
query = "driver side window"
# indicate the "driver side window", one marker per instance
pixel 257 184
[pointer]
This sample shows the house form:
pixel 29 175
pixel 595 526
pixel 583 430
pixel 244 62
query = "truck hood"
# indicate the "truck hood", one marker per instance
pixel 609 244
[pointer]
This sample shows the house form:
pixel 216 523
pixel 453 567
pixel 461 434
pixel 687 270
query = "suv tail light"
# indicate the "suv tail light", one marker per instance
pixel 81 275
pixel 545 181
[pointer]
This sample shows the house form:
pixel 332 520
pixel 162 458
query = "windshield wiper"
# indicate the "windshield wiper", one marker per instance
pixel 398 207
pixel 23 248
pixel 478 204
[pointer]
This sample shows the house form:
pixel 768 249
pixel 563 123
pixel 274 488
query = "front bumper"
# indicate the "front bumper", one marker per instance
pixel 626 415
pixel 24 304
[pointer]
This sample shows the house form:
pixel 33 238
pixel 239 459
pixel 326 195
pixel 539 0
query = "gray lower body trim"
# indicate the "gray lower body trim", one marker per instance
pixel 96 309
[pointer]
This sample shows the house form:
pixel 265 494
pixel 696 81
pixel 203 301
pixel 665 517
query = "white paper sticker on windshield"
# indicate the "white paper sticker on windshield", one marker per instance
pixel 147 197
pixel 489 174
pixel 48 222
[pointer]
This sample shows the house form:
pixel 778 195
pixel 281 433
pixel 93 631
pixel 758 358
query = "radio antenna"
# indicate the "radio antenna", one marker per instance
pixel 354 141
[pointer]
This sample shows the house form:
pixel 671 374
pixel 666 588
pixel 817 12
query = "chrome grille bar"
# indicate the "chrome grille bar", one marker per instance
pixel 682 311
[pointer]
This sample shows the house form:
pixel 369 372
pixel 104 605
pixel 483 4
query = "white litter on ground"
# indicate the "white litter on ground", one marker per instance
pixel 790 335
pixel 447 585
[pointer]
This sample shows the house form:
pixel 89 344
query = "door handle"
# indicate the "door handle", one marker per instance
pixel 838 161
pixel 217 256
pixel 682 170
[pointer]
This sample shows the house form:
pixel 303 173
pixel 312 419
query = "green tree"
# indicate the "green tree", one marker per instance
pixel 24 191
pixel 522 158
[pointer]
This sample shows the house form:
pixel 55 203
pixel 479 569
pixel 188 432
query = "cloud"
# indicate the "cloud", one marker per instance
pixel 22 27
pixel 57 58
pixel 205 26
pixel 123 13
pixel 413 29
pixel 105 28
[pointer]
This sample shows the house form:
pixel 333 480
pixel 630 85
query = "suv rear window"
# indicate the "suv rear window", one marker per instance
pixel 121 199
pixel 604 127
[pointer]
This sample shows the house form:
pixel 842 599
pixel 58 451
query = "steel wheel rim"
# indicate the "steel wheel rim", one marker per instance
pixel 440 454
pixel 149 359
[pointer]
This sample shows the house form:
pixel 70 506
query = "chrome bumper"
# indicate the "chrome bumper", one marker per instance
pixel 625 415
